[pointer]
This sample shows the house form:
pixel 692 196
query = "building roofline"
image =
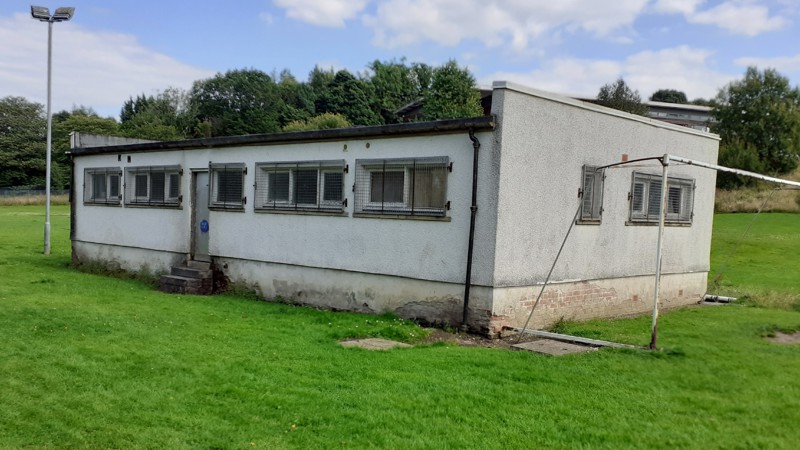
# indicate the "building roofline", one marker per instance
pixel 601 109
pixel 378 131
pixel 688 106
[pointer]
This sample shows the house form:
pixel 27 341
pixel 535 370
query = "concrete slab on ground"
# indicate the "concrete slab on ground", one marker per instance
pixel 552 347
pixel 373 344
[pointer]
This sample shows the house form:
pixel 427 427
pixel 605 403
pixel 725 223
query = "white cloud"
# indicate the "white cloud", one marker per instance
pixel 569 76
pixel 682 68
pixel 96 69
pixel 266 18
pixel 328 13
pixel 781 64
pixel 517 23
pixel 747 17
pixel 677 6
pixel 740 17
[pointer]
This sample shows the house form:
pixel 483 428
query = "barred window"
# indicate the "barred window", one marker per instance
pixel 412 186
pixel 646 197
pixel 227 186
pixel 102 186
pixel 592 194
pixel 153 186
pixel 300 186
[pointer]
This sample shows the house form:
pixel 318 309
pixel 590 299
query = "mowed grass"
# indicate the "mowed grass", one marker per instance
pixel 760 266
pixel 88 361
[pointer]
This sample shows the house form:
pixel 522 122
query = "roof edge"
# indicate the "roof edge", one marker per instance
pixel 597 108
pixel 379 131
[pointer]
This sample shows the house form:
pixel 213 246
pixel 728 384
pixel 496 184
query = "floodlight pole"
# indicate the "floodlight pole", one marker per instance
pixel 662 213
pixel 43 15
pixel 49 136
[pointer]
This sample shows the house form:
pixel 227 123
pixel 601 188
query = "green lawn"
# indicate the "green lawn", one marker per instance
pixel 88 361
pixel 763 268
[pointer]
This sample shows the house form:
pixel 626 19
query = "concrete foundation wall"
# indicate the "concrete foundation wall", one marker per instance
pixel 428 301
pixel 585 300
pixel 130 259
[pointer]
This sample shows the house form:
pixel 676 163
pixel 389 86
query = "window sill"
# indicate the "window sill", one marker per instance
pixel 655 224
pixel 302 212
pixel 227 208
pixel 402 217
pixel 117 204
pixel 587 222
pixel 153 205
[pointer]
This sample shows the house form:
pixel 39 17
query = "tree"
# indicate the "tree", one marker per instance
pixel 157 117
pixel 453 94
pixel 83 120
pixel 669 96
pixel 297 99
pixel 22 142
pixel 758 118
pixel 619 96
pixel 395 85
pixel 351 97
pixel 325 121
pixel 235 103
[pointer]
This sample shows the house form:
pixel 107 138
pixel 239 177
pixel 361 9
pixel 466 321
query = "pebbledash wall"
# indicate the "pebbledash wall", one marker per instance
pixel 531 165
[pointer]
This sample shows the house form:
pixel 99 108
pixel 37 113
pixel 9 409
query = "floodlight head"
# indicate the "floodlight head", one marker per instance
pixel 63 14
pixel 40 13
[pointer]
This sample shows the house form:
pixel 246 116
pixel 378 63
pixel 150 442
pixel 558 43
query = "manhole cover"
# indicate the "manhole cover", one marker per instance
pixel 552 347
pixel 373 344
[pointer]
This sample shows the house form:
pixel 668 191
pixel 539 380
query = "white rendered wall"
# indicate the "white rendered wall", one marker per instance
pixel 545 140
pixel 420 249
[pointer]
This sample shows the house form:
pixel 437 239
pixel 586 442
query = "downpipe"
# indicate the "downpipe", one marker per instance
pixel 476 145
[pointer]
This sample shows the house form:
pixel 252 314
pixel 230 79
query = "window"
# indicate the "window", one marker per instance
pixel 153 186
pixel 646 197
pixel 102 186
pixel 414 186
pixel 227 186
pixel 300 186
pixel 592 194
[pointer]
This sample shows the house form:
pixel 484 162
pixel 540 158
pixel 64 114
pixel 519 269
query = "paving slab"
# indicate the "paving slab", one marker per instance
pixel 552 347
pixel 373 344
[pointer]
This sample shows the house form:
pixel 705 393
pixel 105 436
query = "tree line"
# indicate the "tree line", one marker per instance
pixel 238 102
pixel 757 117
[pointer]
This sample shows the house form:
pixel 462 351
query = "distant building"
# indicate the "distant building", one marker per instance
pixel 692 116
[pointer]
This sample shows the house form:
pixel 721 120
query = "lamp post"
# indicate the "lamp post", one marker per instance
pixel 42 14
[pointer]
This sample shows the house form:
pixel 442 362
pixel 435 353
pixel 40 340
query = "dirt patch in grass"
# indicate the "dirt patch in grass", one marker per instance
pixel 437 335
pixel 785 338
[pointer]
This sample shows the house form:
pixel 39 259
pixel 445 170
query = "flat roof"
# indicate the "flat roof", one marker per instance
pixel 378 131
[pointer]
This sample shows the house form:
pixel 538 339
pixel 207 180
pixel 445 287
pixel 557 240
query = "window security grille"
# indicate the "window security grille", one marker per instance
pixel 102 186
pixel 227 186
pixel 413 186
pixel 646 196
pixel 300 186
pixel 153 186
pixel 592 194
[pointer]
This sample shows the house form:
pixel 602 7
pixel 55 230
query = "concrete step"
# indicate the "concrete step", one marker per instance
pixel 199 265
pixel 189 272
pixel 184 285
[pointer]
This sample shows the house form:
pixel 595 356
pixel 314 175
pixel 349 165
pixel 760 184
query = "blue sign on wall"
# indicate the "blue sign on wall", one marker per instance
pixel 204 226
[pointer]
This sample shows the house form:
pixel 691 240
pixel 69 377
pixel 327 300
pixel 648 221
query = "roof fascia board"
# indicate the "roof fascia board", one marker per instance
pixel 378 132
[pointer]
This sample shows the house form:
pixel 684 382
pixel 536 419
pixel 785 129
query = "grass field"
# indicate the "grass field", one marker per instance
pixel 89 361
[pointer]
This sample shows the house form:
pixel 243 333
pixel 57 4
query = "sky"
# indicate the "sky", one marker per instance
pixel 111 51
